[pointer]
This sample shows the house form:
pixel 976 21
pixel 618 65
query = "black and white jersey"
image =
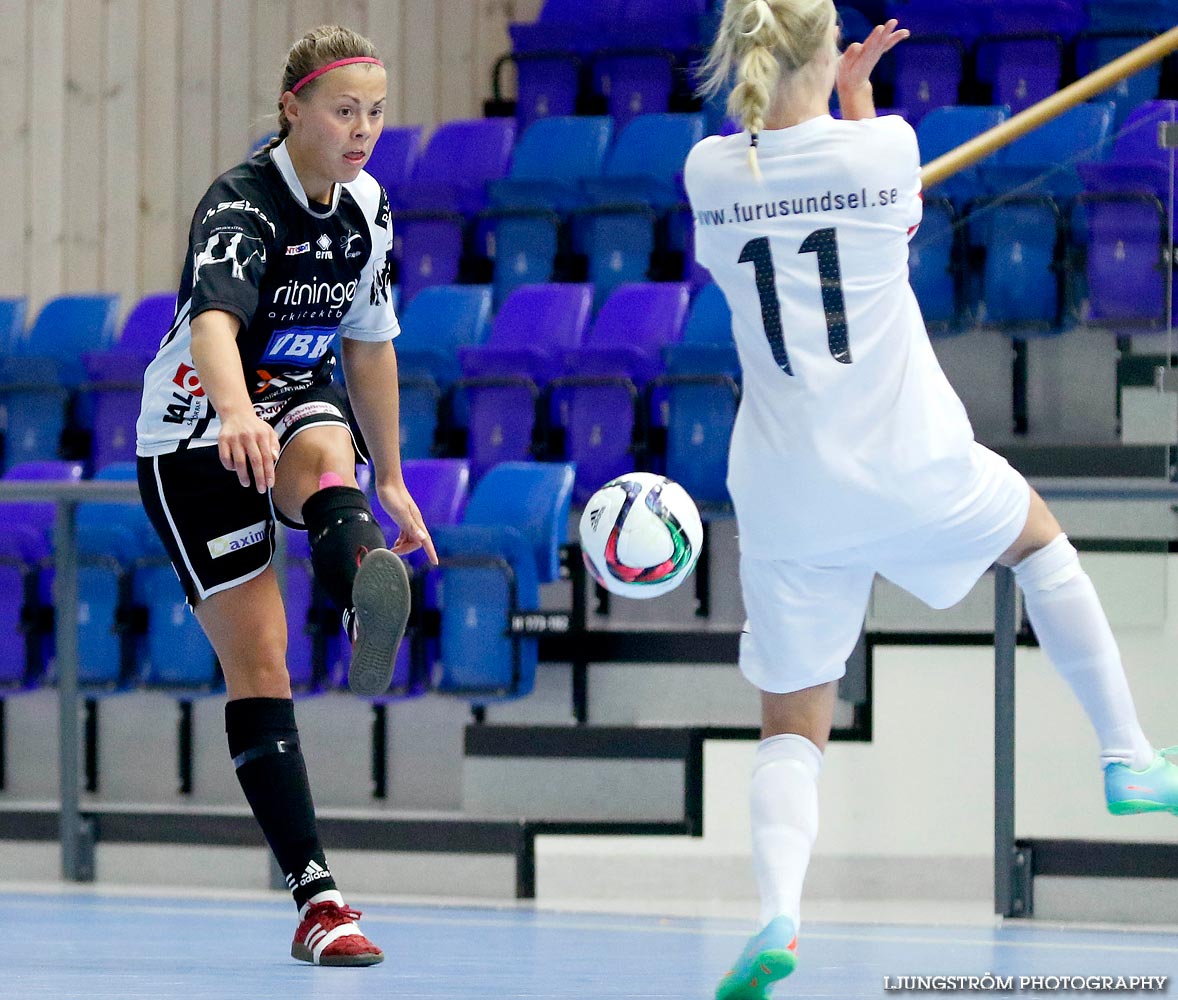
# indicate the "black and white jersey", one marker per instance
pixel 294 274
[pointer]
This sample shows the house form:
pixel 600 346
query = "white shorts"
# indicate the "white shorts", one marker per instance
pixel 804 618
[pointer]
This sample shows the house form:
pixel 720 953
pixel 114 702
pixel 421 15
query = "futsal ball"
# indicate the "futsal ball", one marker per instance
pixel 640 535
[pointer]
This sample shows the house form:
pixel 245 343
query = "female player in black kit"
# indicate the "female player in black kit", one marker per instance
pixel 239 426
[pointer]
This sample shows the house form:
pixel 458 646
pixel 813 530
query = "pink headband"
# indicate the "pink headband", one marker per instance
pixel 333 65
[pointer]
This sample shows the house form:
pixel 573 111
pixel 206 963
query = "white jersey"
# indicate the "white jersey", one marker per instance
pixel 848 430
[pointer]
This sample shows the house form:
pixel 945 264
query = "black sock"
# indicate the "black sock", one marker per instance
pixel 340 528
pixel 264 744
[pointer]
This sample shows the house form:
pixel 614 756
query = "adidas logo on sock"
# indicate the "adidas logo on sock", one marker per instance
pixel 313 871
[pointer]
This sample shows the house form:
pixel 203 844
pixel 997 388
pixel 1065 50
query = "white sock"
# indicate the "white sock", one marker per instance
pixel 1074 633
pixel 784 800
pixel 328 895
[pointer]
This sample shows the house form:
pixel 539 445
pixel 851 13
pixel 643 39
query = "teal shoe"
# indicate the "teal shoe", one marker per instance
pixel 768 957
pixel 1154 789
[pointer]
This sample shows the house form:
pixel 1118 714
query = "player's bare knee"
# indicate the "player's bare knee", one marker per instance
pixel 1040 530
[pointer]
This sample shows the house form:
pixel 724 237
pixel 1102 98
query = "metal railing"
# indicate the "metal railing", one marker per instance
pixel 77 833
pixel 1013 874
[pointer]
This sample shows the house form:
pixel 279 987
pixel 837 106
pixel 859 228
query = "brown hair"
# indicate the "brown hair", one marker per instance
pixel 326 44
pixel 763 42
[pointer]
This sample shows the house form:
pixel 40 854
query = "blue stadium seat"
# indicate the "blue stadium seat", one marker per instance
pixel 934 266
pixel 568 25
pixel 646 162
pixel 547 84
pixel 944 129
pixel 1044 161
pixel 1021 275
pixel 37 378
pixel 12 324
pixel 177 656
pixel 112 537
pixel 433 327
pixel 492 565
pixel 453 170
pixel 66 329
pixel 617 241
pixel 551 159
pixel 1094 49
pixel 523 245
pixel 428 246
pixel 634 81
pixel 696 400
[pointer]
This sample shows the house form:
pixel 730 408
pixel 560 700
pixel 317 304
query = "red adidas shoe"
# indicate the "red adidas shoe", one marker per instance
pixel 329 935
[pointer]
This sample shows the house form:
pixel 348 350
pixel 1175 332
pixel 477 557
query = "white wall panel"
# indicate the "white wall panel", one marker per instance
pixel 138 104
pixel 14 146
pixel 234 83
pixel 82 202
pixel 121 164
pixel 163 223
pixel 46 162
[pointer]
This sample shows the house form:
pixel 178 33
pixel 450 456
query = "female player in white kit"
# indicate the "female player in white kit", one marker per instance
pixel 851 454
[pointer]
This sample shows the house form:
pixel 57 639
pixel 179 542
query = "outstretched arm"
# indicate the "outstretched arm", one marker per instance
pixel 856 65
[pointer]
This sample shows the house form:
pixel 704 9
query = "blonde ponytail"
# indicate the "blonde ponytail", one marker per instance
pixel 762 42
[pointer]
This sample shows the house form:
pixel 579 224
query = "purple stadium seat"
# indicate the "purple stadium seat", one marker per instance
pixel 928 71
pixel 393 157
pixel 113 393
pixel 1136 164
pixel 568 25
pixel 596 401
pixel 452 171
pixel 26 544
pixel 547 84
pixel 1020 69
pixel 667 24
pixel 428 247
pixel 634 83
pixel 1059 17
pixel 532 332
pixel 1126 265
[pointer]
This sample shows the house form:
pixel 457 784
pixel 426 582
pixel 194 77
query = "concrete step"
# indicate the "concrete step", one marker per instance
pixel 589 773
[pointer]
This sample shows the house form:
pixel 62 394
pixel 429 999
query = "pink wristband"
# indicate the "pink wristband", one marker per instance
pixel 333 65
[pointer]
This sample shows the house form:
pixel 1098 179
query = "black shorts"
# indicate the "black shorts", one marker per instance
pixel 218 533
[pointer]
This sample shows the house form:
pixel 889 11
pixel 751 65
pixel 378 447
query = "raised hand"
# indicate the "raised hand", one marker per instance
pixel 859 59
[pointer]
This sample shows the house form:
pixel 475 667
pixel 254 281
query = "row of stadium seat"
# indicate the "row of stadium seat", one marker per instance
pixel 629 58
pixel 499 541
pixel 570 210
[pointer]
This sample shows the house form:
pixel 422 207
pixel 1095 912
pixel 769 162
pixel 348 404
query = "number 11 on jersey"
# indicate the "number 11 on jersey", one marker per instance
pixel 824 244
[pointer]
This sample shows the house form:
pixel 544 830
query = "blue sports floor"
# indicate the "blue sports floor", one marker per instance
pixel 97 946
